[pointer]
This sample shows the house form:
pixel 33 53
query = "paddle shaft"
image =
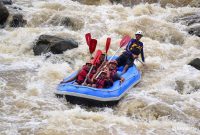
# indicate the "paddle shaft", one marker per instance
pixel 108 61
pixel 140 61
pixel 88 74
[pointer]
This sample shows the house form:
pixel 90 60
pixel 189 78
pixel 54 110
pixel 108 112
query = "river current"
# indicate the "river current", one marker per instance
pixel 166 101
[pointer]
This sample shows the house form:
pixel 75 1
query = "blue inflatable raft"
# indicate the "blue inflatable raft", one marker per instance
pixel 89 96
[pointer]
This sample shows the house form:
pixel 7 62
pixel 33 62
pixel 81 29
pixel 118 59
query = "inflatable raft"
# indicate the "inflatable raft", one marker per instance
pixel 89 96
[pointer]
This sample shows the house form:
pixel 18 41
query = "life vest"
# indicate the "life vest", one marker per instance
pixel 134 47
pixel 92 73
pixel 82 75
pixel 100 83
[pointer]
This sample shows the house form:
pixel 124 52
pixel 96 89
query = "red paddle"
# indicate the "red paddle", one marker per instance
pixel 107 44
pixel 123 42
pixel 92 46
pixel 107 47
pixel 96 57
pixel 88 38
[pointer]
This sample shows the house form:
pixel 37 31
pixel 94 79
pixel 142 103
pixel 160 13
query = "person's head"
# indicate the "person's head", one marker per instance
pixel 138 35
pixel 102 57
pixel 88 65
pixel 103 75
pixel 113 65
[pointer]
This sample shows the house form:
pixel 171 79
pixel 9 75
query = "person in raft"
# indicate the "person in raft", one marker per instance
pixel 100 81
pixel 113 75
pixel 132 51
pixel 102 59
pixel 81 75
pixel 107 76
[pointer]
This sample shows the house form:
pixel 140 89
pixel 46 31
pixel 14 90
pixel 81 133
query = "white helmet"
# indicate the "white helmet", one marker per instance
pixel 139 32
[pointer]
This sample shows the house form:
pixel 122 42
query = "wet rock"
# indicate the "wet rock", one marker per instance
pixel 133 2
pixel 18 21
pixel 17 8
pixel 195 63
pixel 194 30
pixel 56 45
pixel 189 19
pixel 7 2
pixel 3 14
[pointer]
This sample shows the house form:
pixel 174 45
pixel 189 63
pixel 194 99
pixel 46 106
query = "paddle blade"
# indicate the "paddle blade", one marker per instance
pixel 93 44
pixel 107 44
pixel 88 38
pixel 125 41
pixel 96 57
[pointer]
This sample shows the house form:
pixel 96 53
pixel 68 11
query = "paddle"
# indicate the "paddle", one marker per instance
pixel 88 38
pixel 92 46
pixel 107 44
pixel 140 61
pixel 107 47
pixel 94 61
pixel 123 42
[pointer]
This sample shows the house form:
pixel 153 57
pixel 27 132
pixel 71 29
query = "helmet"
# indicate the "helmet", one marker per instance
pixel 139 32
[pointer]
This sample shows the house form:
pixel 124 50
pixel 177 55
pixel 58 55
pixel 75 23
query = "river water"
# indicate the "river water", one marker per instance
pixel 166 101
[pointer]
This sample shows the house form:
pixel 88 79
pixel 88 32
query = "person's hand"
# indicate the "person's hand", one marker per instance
pixel 135 56
pixel 62 81
pixel 144 65
pixel 121 80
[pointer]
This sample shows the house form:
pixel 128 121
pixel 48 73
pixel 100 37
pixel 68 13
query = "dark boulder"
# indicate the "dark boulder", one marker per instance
pixel 7 2
pixel 18 21
pixel 194 30
pixel 192 21
pixel 56 45
pixel 3 14
pixel 195 63
pixel 189 19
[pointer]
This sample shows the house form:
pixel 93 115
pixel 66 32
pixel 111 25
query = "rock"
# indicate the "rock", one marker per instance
pixel 133 2
pixel 189 19
pixel 194 30
pixel 18 21
pixel 56 45
pixel 7 2
pixel 195 63
pixel 3 14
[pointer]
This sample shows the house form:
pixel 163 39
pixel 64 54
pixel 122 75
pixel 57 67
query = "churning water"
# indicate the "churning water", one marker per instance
pixel 166 101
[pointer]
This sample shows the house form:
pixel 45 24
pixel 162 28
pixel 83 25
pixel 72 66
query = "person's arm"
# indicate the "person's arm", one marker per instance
pixel 129 44
pixel 118 77
pixel 142 55
pixel 125 68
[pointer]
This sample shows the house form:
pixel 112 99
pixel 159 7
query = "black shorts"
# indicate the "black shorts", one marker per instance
pixel 125 59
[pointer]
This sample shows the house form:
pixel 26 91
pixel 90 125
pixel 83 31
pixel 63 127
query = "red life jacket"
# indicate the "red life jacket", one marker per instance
pixel 82 75
pixel 98 64
pixel 100 83
pixel 92 73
